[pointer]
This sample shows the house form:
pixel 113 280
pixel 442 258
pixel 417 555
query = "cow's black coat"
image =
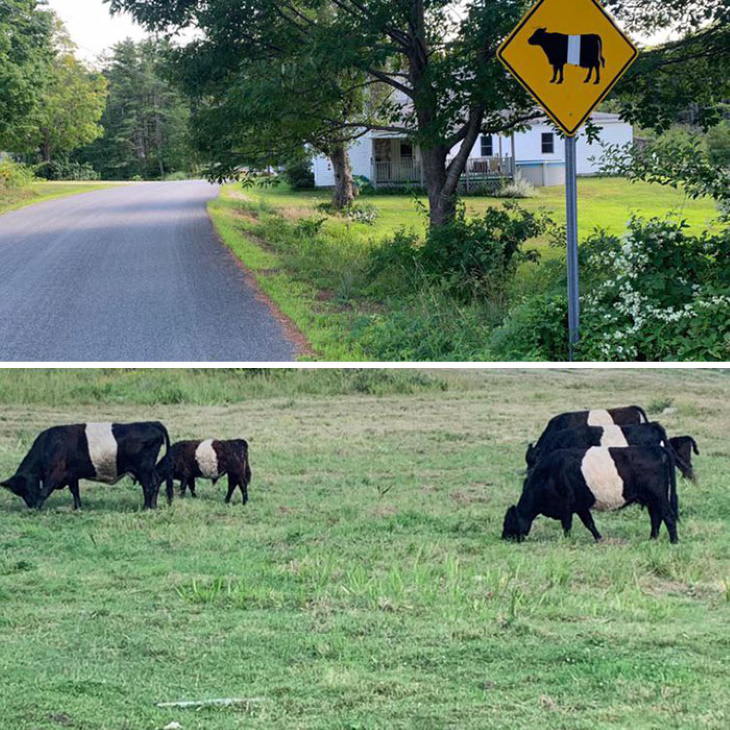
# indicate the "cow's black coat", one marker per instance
pixel 181 463
pixel 557 488
pixel 59 457
pixel 555 46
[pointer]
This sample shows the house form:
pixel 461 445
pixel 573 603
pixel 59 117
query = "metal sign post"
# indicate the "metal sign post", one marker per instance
pixel 568 55
pixel 571 211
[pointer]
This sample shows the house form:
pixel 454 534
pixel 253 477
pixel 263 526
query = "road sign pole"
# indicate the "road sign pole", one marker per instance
pixel 571 210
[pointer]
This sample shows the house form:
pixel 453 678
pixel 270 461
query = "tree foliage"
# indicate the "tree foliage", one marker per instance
pixel 25 54
pixel 145 120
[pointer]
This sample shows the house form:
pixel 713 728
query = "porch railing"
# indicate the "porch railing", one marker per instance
pixel 402 171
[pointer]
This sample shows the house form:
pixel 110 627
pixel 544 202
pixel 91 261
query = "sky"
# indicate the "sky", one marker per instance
pixel 92 28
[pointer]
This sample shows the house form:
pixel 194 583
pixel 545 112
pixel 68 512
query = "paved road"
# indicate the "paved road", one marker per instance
pixel 129 273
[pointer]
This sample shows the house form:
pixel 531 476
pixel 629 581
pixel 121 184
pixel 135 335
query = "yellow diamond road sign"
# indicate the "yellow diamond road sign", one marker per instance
pixel 567 54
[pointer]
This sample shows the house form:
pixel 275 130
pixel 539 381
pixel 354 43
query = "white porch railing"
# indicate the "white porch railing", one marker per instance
pixel 397 171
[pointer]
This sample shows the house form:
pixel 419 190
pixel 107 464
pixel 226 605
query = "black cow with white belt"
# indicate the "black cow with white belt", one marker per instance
pixel 209 459
pixel 577 481
pixel 99 452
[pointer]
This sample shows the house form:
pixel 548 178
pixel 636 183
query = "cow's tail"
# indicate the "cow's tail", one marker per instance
pixel 642 414
pixel 164 466
pixel 694 445
pixel 246 464
pixel 672 480
pixel 684 467
pixel 600 52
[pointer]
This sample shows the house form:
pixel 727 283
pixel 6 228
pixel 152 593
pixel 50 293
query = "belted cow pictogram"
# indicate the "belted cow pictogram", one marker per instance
pixel 584 50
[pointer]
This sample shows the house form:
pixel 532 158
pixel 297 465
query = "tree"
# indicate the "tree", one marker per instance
pixel 435 59
pixel 67 116
pixel 25 54
pixel 146 120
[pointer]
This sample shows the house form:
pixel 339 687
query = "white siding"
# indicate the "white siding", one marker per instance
pixel 528 148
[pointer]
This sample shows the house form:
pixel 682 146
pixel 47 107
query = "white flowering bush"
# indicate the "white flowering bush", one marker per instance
pixel 662 295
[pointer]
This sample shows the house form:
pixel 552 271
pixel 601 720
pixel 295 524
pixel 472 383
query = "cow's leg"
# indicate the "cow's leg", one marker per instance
pixel 183 485
pixel 73 485
pixel 590 73
pixel 150 488
pixel 655 515
pixel 191 484
pixel 567 523
pixel 244 489
pixel 555 75
pixel 560 80
pixel 587 519
pixel 670 521
pixel 598 73
pixel 232 484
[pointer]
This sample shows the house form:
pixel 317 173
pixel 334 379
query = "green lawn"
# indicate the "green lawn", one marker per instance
pixel 365 584
pixel 40 191
pixel 602 202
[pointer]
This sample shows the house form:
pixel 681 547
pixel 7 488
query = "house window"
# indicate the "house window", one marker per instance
pixel 406 149
pixel 487 149
pixel 548 146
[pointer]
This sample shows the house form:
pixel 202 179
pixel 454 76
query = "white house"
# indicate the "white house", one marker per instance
pixel 388 159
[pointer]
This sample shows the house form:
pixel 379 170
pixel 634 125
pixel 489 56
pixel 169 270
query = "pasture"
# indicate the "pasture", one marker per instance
pixel 365 584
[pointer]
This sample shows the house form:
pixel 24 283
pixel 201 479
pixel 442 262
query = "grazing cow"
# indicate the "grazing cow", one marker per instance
pixel 99 452
pixel 582 437
pixel 585 51
pixel 576 481
pixel 624 416
pixel 211 459
pixel 683 447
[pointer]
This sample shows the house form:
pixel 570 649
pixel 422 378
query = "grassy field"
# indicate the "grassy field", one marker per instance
pixel 40 191
pixel 365 584
pixel 603 202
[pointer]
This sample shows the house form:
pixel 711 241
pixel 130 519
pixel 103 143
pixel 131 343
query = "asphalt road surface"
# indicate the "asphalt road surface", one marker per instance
pixel 134 272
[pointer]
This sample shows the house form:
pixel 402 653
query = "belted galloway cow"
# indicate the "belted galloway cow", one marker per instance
pixel 100 452
pixel 209 459
pixel 577 481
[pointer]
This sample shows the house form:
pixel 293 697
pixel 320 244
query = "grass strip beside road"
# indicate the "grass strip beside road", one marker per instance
pixel 42 191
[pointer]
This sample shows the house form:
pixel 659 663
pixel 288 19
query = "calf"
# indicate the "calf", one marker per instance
pixel 642 434
pixel 211 459
pixel 624 416
pixel 576 481
pixel 99 452
pixel 683 447
pixel 585 51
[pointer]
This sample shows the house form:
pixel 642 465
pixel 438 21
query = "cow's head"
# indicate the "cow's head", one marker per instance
pixel 26 487
pixel 537 37
pixel 514 527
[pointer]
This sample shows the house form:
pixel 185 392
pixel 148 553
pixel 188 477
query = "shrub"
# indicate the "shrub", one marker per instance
pixel 178 176
pixel 536 329
pixel 298 173
pixel 479 256
pixel 363 184
pixel 14 175
pixel 66 170
pixel 667 297
pixel 518 188
pixel 362 213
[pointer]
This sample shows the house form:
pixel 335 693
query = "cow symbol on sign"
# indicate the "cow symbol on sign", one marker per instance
pixel 585 51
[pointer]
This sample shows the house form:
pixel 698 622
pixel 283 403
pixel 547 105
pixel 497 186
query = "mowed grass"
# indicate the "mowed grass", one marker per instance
pixel 365 584
pixel 602 202
pixel 40 191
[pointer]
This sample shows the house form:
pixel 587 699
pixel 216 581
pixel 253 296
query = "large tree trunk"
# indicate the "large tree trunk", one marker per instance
pixel 344 192
pixel 441 201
